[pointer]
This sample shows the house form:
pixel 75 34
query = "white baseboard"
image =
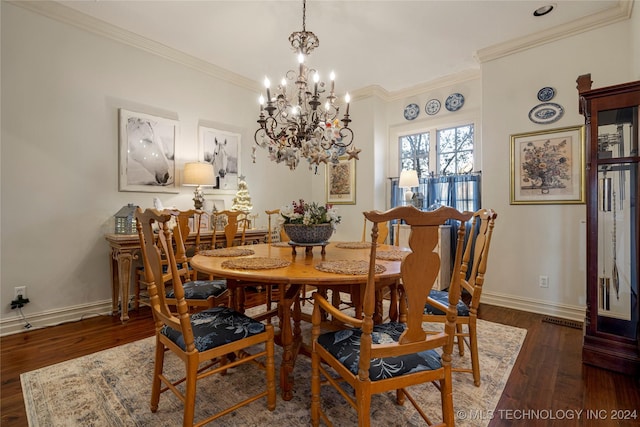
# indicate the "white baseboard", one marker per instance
pixel 79 312
pixel 54 317
pixel 565 311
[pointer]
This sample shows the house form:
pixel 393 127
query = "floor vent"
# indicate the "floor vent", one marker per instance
pixel 563 322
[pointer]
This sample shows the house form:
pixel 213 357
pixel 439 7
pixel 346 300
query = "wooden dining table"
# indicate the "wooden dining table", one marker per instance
pixel 301 270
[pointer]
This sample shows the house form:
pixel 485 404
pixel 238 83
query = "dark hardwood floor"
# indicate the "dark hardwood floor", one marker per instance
pixel 548 386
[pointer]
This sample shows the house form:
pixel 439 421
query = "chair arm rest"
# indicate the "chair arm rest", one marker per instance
pixel 321 303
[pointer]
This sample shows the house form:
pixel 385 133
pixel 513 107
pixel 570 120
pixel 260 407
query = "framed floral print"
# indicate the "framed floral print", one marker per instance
pixel 341 182
pixel 547 167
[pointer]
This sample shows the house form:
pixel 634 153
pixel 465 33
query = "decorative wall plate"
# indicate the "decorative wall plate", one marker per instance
pixel 411 111
pixel 547 112
pixel 454 102
pixel 432 107
pixel 546 94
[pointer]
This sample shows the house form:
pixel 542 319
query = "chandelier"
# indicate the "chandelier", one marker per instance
pixel 295 123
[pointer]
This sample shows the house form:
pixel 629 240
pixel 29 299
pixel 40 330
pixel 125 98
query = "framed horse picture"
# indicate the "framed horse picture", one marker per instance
pixel 220 146
pixel 147 151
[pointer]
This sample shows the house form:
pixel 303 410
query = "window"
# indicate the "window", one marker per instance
pixel 453 153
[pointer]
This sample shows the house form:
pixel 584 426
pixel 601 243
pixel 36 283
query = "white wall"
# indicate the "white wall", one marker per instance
pixel 61 91
pixel 534 240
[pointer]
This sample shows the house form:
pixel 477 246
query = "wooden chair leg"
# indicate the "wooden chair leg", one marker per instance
pixel 473 344
pixel 447 399
pixel 157 371
pixel 190 391
pixel 315 389
pixel 270 368
pixel 460 338
pixel 364 407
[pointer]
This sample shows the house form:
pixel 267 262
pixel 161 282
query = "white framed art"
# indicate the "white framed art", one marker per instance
pixel 220 146
pixel 147 145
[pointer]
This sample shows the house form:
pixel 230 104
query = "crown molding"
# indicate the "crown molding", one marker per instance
pixel 62 13
pixel 445 81
pixel 612 15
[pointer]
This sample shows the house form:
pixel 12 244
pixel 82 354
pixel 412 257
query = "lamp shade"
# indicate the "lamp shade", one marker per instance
pixel 198 173
pixel 408 179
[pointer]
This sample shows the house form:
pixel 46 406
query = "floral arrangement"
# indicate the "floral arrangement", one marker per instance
pixel 546 166
pixel 309 214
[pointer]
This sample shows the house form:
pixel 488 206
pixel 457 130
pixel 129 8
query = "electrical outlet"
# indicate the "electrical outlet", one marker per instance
pixel 543 281
pixel 20 290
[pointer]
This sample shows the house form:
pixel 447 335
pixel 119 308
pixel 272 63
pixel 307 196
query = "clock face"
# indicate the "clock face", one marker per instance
pixel 432 107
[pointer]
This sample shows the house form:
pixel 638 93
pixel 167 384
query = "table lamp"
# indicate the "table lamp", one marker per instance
pixel 198 174
pixel 408 180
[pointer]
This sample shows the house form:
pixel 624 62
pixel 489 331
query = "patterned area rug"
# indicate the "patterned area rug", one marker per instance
pixel 112 388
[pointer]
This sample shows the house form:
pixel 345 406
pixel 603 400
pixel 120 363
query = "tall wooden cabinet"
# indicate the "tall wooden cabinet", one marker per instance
pixel 612 323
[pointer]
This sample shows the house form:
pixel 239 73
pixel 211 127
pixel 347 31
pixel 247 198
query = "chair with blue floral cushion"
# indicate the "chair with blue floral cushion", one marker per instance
pixel 201 340
pixel 376 358
pixel 198 293
pixel 472 270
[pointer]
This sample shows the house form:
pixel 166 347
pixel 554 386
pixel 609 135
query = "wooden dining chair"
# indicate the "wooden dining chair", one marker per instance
pixel 383 232
pixel 204 294
pixel 201 340
pixel 198 293
pixel 471 272
pixel 275 230
pixel 235 221
pixel 394 355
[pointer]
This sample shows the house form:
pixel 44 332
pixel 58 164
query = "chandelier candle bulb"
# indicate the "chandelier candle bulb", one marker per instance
pixel 316 79
pixel 332 77
pixel 267 83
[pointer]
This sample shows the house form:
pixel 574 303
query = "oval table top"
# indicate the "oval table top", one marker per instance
pixel 302 268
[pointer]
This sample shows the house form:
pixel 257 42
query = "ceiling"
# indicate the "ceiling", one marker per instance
pixel 393 44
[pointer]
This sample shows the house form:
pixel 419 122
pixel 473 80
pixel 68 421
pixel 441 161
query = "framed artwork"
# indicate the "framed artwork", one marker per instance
pixel 221 148
pixel 341 182
pixel 547 167
pixel 147 146
pixel 204 223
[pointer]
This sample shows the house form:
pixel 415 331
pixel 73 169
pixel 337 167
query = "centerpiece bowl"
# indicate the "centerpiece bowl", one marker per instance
pixel 306 234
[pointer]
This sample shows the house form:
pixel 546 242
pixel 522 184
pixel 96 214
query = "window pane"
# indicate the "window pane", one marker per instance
pixel 446 139
pixel 455 150
pixel 414 153
pixel 447 163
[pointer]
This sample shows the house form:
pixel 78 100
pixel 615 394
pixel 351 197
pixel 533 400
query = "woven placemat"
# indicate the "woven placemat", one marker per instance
pixel 227 252
pixel 348 267
pixel 353 245
pixel 392 255
pixel 257 263
pixel 281 244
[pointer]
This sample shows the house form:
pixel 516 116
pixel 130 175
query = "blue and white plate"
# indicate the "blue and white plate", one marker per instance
pixel 411 111
pixel 432 107
pixel 454 102
pixel 547 112
pixel 546 94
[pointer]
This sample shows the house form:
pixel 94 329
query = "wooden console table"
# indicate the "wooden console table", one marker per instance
pixel 125 249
